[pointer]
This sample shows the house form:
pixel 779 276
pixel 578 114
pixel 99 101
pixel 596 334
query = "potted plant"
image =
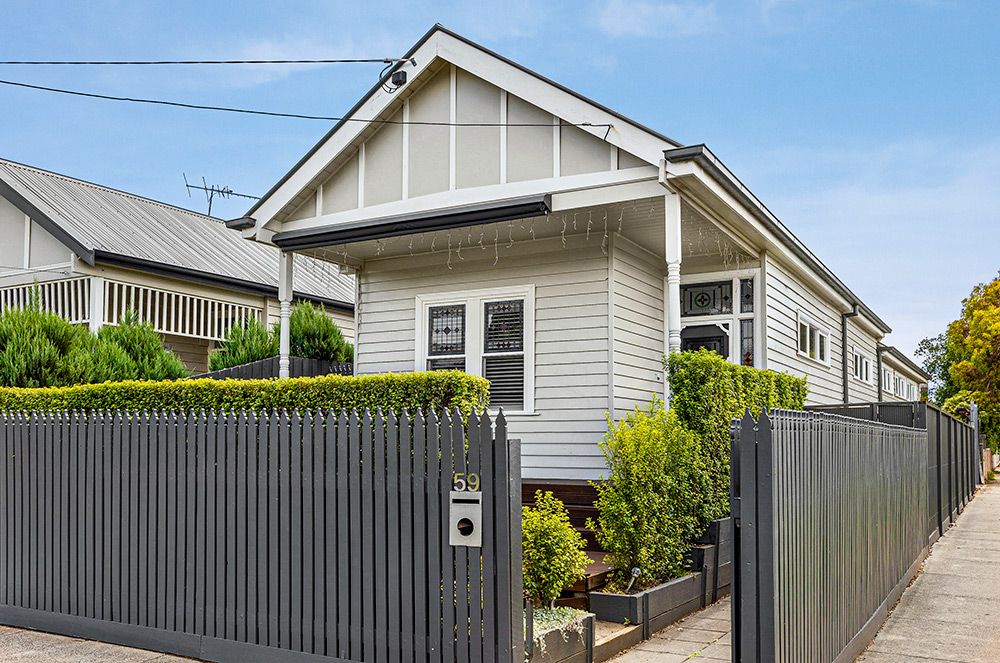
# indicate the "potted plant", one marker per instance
pixel 652 504
pixel 553 559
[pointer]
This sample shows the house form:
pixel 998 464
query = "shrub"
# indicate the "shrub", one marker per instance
pixel 553 556
pixel 245 343
pixel 708 392
pixel 40 349
pixel 654 500
pixel 437 390
pixel 132 350
pixel 314 335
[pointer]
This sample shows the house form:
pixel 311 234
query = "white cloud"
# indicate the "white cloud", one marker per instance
pixel 649 18
pixel 910 226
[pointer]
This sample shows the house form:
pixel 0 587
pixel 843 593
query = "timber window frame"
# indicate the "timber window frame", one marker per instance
pixel 812 340
pixel 861 366
pixel 479 307
pixel 742 320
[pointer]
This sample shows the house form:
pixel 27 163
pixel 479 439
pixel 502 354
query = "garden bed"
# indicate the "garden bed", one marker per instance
pixel 562 635
pixel 658 607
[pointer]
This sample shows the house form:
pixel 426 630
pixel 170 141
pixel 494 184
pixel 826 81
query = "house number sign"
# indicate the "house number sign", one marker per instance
pixel 463 482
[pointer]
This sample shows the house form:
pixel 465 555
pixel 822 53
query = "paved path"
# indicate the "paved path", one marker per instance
pixel 951 612
pixel 703 636
pixel 35 647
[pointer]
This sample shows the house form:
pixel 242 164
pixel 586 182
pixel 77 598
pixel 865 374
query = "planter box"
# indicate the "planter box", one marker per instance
pixel 569 645
pixel 711 563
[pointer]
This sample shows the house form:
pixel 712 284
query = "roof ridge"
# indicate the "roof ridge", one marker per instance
pixel 102 187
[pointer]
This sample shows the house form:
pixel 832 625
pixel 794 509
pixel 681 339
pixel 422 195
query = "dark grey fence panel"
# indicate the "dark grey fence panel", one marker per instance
pixel 278 536
pixel 831 518
pixel 298 367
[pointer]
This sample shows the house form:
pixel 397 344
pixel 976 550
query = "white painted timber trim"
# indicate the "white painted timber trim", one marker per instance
pixel 495 192
pixel 452 129
pixel 503 136
pixel 406 151
pixel 361 177
pixel 556 146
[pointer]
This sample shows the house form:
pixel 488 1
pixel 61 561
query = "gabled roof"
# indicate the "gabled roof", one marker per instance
pixel 446 49
pixel 902 359
pixel 101 224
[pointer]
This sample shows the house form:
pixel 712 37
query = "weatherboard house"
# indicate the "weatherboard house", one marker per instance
pixel 502 224
pixel 92 253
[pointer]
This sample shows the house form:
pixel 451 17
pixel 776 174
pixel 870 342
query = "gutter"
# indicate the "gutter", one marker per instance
pixel 701 155
pixel 206 278
pixel 844 317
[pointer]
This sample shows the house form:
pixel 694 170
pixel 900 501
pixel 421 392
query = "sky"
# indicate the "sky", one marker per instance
pixel 871 129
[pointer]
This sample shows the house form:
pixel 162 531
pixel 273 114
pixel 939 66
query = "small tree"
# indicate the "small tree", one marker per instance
pixel 245 343
pixel 315 335
pixel 553 556
pixel 655 498
pixel 40 349
pixel 133 350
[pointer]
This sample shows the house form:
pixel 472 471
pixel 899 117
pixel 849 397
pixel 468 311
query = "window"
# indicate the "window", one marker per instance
pixel 707 299
pixel 487 333
pixel 887 380
pixel 861 366
pixel 746 342
pixel 814 341
pixel 718 313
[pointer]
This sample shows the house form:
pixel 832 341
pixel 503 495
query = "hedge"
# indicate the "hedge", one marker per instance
pixel 436 390
pixel 707 393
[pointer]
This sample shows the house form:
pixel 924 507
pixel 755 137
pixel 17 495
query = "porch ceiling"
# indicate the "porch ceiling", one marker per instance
pixel 707 246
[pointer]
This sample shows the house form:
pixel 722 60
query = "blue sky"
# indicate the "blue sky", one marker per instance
pixel 870 128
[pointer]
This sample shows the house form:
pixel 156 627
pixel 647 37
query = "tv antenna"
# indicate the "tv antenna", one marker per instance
pixel 214 190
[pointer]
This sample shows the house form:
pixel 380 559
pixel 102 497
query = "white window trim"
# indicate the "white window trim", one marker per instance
pixel 855 352
pixel 732 319
pixel 474 300
pixel 804 317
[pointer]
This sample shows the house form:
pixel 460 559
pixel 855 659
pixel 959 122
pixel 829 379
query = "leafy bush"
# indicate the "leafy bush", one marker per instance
pixel 314 335
pixel 708 392
pixel 654 500
pixel 437 390
pixel 40 349
pixel 245 343
pixel 132 350
pixel 553 556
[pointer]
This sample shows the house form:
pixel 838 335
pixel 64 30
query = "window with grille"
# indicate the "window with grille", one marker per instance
pixel 446 338
pixel 486 333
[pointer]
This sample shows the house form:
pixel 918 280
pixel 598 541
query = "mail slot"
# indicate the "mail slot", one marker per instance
pixel 466 519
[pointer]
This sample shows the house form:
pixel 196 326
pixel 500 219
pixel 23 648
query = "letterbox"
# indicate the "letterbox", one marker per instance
pixel 466 519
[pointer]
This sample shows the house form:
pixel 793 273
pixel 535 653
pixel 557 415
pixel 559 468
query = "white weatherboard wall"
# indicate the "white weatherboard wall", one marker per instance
pixel 571 337
pixel 637 293
pixel 861 392
pixel 788 294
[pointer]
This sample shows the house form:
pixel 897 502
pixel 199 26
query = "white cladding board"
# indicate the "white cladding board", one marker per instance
pixel 864 342
pixel 527 145
pixel 638 327
pixel 45 249
pixel 384 164
pixel 571 337
pixel 193 352
pixel 429 148
pixel 787 294
pixel 12 231
pixel 340 192
pixel 477 149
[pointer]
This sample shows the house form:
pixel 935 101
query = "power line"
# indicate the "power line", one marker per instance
pixel 298 116
pixel 198 62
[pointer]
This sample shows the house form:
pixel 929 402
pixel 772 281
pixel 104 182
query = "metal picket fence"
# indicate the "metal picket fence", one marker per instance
pixel 831 519
pixel 271 537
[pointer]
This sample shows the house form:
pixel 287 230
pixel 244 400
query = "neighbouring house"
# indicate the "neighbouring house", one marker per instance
pixel 900 379
pixel 94 252
pixel 500 223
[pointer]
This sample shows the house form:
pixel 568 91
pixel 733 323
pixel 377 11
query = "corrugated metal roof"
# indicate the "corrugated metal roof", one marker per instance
pixel 109 221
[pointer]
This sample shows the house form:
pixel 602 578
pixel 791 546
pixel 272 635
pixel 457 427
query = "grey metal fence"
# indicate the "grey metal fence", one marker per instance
pixel 298 367
pixel 278 537
pixel 952 452
pixel 831 522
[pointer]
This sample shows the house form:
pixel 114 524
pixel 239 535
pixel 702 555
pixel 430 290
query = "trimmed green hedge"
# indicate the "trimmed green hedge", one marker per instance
pixel 707 393
pixel 432 390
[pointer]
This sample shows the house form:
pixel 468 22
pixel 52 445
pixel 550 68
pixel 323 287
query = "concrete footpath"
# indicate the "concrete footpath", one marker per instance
pixel 951 612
